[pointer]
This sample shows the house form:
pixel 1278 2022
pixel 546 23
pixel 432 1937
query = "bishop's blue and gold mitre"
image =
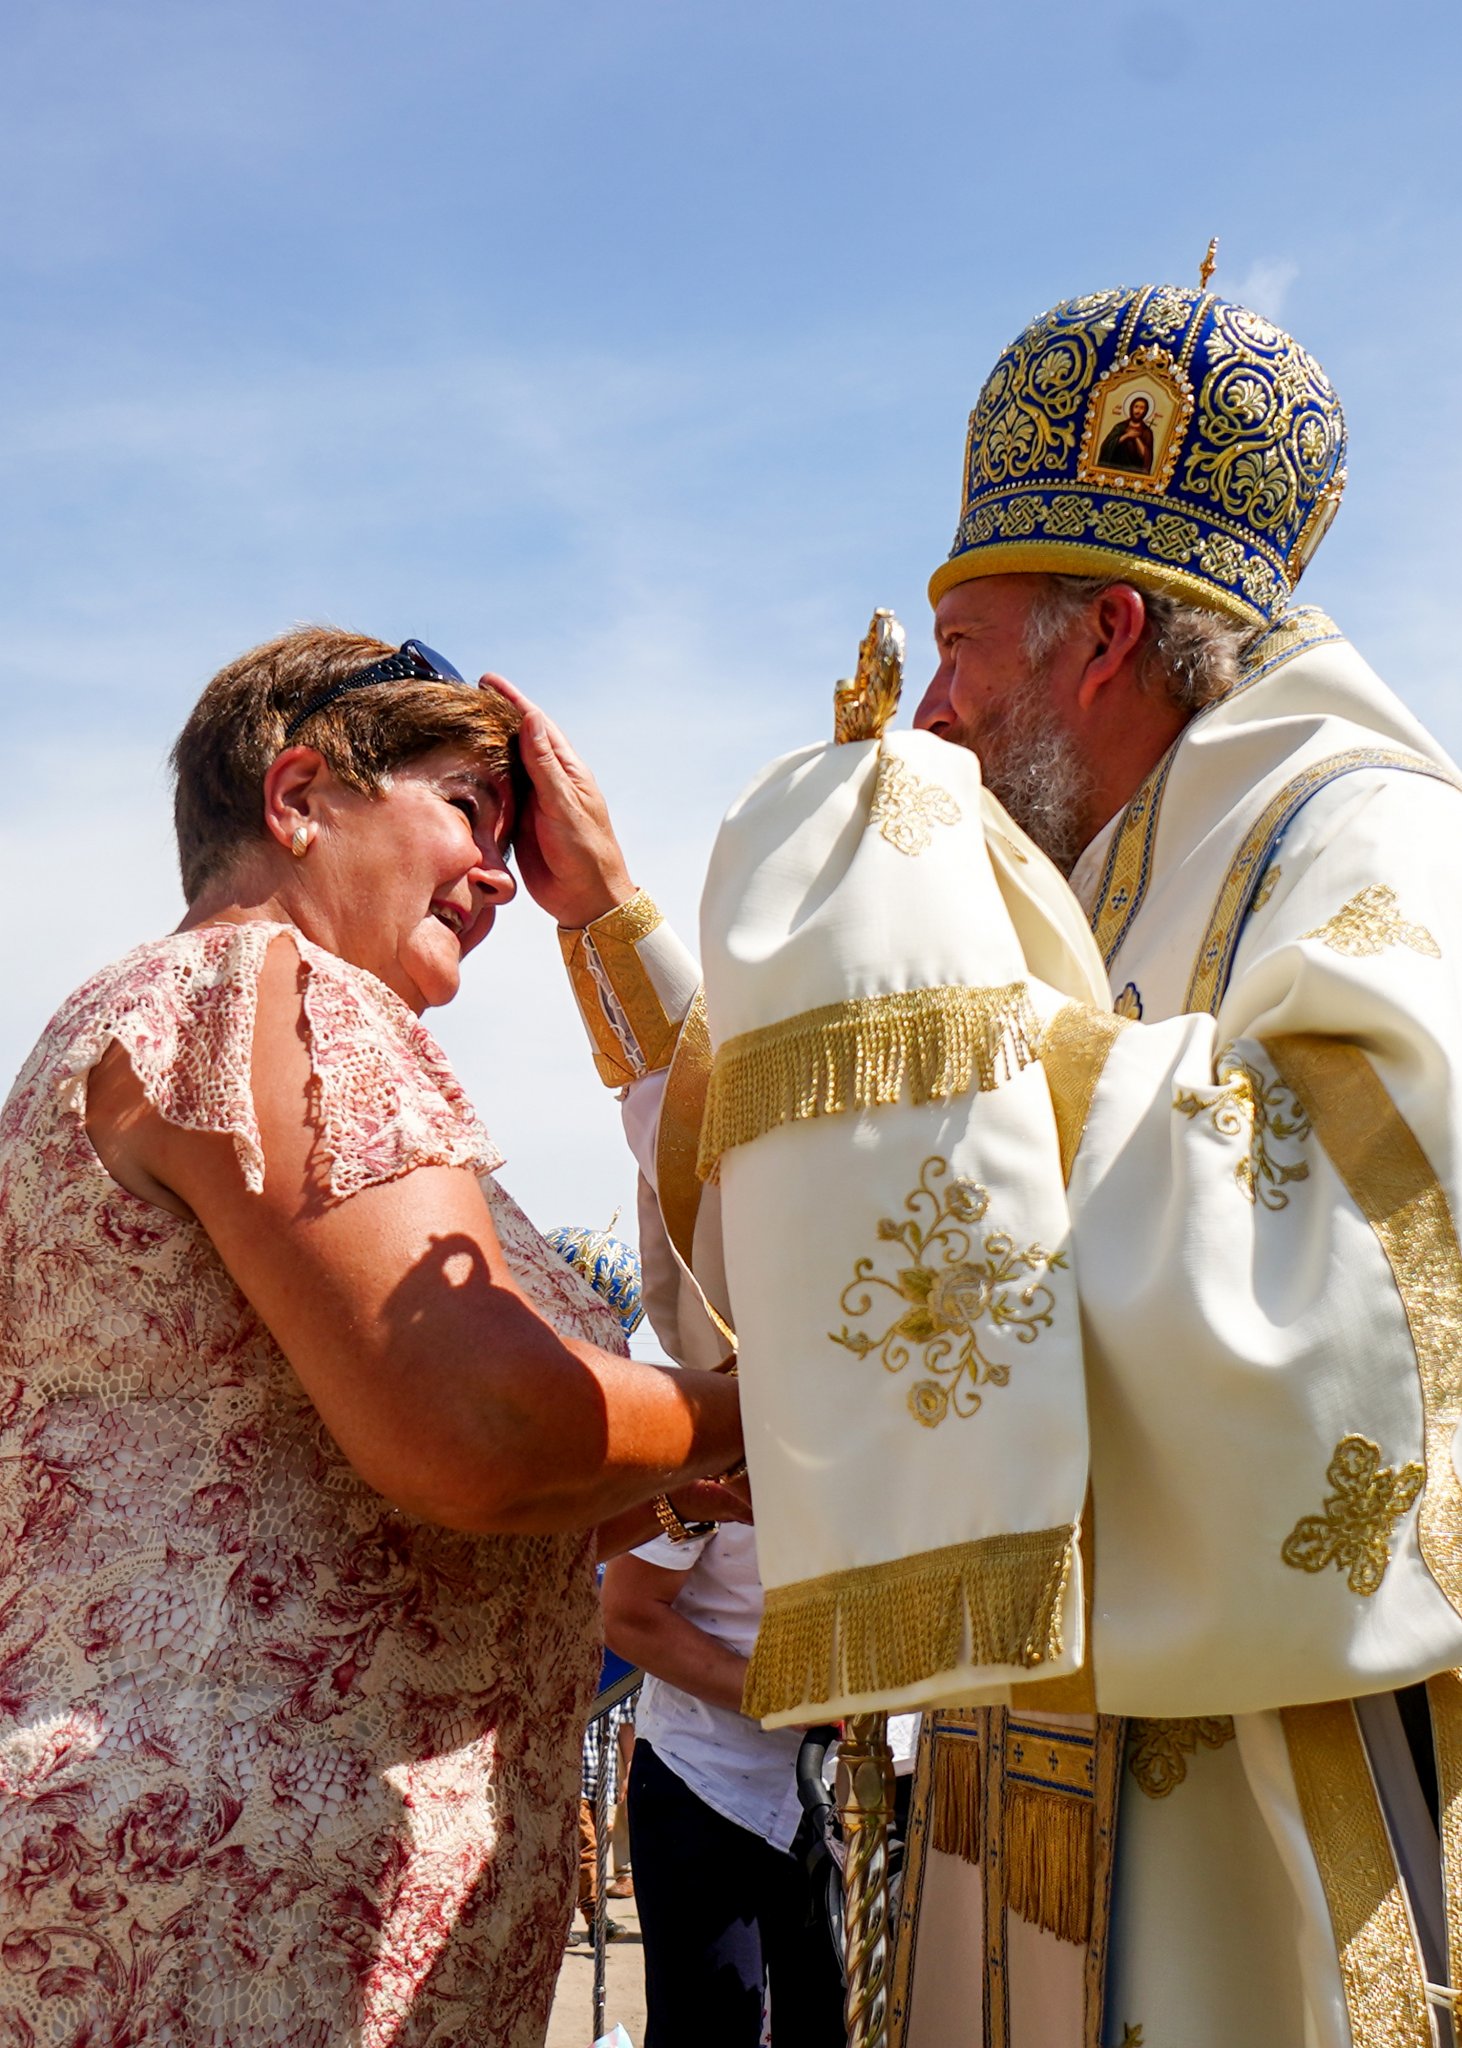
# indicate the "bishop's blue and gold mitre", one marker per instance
pixel 1163 434
pixel 611 1267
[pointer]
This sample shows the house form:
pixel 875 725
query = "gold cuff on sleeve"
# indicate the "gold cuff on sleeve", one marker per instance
pixel 621 1008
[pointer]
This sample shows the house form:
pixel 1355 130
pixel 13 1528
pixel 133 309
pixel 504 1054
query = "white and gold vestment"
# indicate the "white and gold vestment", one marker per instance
pixel 1243 1407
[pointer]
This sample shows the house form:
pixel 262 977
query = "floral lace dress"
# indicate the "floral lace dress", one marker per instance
pixel 280 1767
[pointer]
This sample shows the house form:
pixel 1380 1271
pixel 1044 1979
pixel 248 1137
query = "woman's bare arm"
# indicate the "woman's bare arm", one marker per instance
pixel 440 1382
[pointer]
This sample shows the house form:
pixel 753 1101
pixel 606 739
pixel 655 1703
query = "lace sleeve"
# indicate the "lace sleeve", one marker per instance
pixel 388 1100
pixel 385 1098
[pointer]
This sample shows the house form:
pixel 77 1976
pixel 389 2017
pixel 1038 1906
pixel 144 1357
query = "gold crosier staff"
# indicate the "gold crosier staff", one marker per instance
pixel 865 1783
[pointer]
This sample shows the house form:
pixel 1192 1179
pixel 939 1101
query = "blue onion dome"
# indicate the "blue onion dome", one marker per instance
pixel 611 1267
pixel 1159 433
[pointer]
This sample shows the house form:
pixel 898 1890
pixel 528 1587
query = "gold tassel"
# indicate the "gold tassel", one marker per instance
pixel 926 1044
pixel 872 1628
pixel 1048 1859
pixel 956 1828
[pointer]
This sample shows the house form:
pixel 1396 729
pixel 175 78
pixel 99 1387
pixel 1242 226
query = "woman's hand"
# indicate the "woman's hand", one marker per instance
pixel 699 1500
pixel 568 856
pixel 712 1500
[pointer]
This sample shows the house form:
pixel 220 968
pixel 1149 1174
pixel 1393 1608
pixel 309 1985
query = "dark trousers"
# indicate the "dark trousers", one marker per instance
pixel 718 1908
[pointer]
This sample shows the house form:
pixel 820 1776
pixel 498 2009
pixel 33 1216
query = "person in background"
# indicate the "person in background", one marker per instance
pixel 726 1910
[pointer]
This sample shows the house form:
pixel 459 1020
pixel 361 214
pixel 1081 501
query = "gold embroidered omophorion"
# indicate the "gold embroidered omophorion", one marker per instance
pixel 1353 1530
pixel 905 808
pixel 1128 868
pixel 1390 1179
pixel 1215 956
pixel 1267 886
pixel 1380 1968
pixel 1158 1750
pixel 1369 923
pixel 952 1279
pixel 1444 1697
pixel 923 1044
pixel 1259 1111
pixel 996 1600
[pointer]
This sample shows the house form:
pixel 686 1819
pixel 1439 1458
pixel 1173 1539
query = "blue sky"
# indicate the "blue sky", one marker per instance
pixel 627 348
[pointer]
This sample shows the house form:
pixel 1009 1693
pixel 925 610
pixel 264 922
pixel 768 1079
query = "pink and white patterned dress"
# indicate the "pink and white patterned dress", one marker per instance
pixel 280 1767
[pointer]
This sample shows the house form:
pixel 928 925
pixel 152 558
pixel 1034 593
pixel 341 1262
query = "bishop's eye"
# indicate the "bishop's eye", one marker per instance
pixel 467 805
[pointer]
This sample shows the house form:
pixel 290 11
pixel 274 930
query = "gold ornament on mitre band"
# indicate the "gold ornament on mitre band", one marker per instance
pixel 1160 433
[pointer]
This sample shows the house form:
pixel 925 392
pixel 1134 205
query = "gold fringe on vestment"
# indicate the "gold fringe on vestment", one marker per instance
pixel 955 1821
pixel 923 1044
pixel 875 1628
pixel 1048 1859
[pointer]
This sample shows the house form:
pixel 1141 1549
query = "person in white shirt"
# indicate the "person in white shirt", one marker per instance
pixel 725 1907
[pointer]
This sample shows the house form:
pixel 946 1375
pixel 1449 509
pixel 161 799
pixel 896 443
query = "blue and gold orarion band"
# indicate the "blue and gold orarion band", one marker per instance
pixel 1160 433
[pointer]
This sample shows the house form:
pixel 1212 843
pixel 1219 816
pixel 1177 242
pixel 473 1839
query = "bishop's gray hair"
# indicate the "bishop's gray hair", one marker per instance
pixel 1193 655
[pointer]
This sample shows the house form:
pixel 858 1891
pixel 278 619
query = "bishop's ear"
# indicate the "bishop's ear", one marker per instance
pixel 1118 622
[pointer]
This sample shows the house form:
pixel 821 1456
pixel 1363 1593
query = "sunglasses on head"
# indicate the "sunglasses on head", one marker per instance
pixel 411 661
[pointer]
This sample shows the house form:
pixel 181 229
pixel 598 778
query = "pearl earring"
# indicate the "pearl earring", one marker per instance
pixel 299 844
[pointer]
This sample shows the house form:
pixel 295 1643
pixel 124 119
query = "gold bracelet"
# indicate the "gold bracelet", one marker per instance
pixel 673 1524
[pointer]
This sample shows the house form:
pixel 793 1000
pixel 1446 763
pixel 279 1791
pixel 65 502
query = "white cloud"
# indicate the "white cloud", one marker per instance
pixel 1264 286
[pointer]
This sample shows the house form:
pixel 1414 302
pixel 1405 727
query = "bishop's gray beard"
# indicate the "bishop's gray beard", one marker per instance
pixel 1031 764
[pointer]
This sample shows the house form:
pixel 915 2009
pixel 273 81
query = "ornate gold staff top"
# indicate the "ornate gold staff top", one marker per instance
pixel 863 707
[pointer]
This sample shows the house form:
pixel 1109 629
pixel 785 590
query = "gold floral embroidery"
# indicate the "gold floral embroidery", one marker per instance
pixel 1265 889
pixel 1129 1003
pixel 1131 2037
pixel 1354 1531
pixel 945 1292
pixel 1158 1751
pixel 1370 922
pixel 905 807
pixel 1391 1181
pixel 1265 1112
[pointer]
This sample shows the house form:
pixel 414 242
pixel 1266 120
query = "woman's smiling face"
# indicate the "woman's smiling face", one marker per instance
pixel 407 882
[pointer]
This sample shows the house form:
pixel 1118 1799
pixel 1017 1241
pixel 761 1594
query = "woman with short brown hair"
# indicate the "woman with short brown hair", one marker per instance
pixel 306 1425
